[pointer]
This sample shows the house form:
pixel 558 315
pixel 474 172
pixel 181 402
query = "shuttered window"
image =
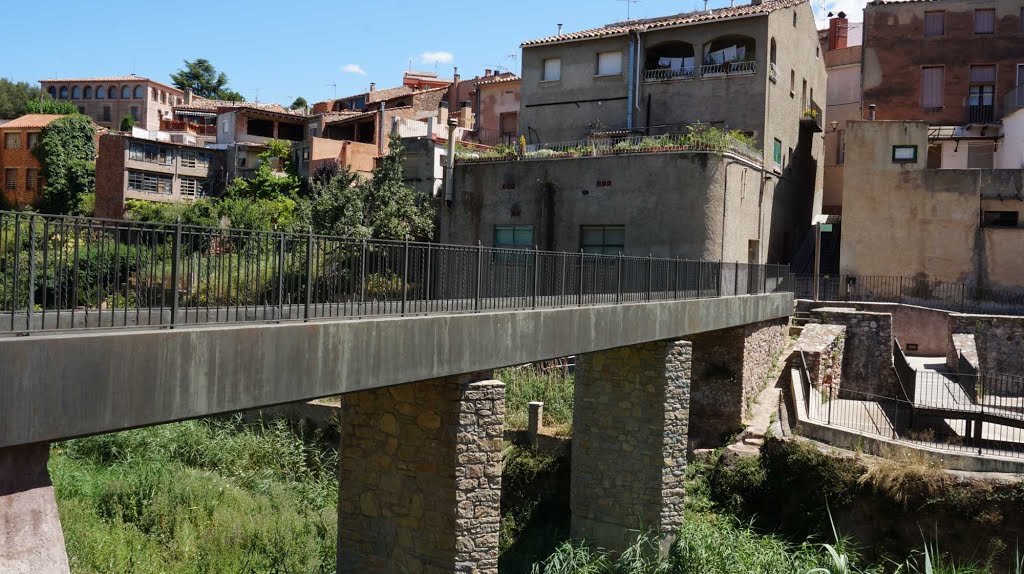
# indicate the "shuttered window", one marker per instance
pixel 552 69
pixel 983 74
pixel 984 21
pixel 934 23
pixel 609 63
pixel 932 85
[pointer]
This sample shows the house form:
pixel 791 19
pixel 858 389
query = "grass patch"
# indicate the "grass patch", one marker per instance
pixel 524 385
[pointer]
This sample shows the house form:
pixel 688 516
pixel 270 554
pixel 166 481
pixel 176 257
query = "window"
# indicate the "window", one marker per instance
pixel 149 182
pixel 150 153
pixel 193 159
pixel 904 154
pixel 126 92
pixel 63 92
pixel 777 153
pixel 981 94
pixel 792 83
pixel 31 180
pixel 606 239
pixel 609 63
pixel 932 84
pixel 513 236
pixel 140 92
pixel 772 51
pixel 100 93
pixel 135 113
pixel 10 179
pixel 794 18
pixel 934 23
pixel 81 110
pixel 984 21
pixel 76 93
pixel 87 93
pixel 33 140
pixel 106 114
pixel 52 90
pixel 840 147
pixel 112 93
pixel 980 155
pixel 1000 219
pixel 12 141
pixel 552 70
pixel 156 95
pixel 192 187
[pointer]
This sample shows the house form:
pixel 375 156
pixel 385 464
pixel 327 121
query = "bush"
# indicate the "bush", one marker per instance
pixel 524 385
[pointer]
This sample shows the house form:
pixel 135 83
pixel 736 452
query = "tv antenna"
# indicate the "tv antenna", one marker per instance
pixel 335 86
pixel 629 4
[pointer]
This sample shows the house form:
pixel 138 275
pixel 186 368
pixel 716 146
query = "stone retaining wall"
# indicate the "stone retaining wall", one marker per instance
pixel 999 341
pixel 822 347
pixel 867 356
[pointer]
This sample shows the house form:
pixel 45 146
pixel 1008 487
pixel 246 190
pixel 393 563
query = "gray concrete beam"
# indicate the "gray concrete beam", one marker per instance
pixel 59 386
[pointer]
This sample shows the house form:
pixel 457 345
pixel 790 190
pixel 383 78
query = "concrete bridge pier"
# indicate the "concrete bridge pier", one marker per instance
pixel 31 539
pixel 630 419
pixel 420 477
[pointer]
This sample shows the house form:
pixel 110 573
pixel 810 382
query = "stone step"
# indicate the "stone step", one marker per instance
pixel 754 441
pixel 795 330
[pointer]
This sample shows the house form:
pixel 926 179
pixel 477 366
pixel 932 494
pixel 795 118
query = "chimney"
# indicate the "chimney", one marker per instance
pixel 188 96
pixel 453 90
pixel 559 29
pixel 871 112
pixel 373 86
pixel 487 73
pixel 838 28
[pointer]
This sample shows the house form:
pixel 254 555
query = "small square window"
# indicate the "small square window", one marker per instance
pixel 609 63
pixel 904 154
pixel 934 23
pixel 12 141
pixel 1000 219
pixel 777 153
pixel 552 70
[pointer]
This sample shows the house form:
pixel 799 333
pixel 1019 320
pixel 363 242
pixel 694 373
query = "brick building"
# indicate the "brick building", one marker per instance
pixel 136 168
pixel 107 100
pixel 20 171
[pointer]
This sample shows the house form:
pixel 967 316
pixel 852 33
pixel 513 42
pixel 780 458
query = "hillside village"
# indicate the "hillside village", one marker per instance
pixel 728 233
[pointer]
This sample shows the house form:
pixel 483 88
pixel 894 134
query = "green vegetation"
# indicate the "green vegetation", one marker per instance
pixel 67 153
pixel 14 98
pixel 127 123
pixel 48 105
pixel 524 385
pixel 198 497
pixel 299 103
pixel 205 81
pixel 535 508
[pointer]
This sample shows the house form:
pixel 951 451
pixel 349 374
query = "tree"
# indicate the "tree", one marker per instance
pixel 383 207
pixel 299 103
pixel 204 80
pixel 48 105
pixel 14 98
pixel 127 123
pixel 268 183
pixel 67 153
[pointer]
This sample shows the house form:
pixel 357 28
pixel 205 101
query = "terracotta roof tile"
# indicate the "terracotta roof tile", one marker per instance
pixel 621 28
pixel 201 104
pixel 498 80
pixel 32 121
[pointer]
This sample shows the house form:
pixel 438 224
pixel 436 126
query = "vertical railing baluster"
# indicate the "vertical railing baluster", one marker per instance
pixel 309 273
pixel 175 270
pixel 280 276
pixel 479 270
pixel 16 280
pixel 405 274
pixel 426 284
pixel 618 279
pixel 46 262
pixel 579 293
pixel 31 292
pixel 536 273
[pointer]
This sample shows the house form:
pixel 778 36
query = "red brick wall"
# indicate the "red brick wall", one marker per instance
pixel 895 49
pixel 110 176
pixel 20 159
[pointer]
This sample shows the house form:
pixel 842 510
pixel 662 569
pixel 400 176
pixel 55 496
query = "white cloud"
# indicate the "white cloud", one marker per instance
pixel 353 69
pixel 854 9
pixel 436 57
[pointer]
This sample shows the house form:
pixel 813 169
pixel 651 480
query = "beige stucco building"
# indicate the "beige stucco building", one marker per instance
pixel 841 46
pixel 108 100
pixel 904 218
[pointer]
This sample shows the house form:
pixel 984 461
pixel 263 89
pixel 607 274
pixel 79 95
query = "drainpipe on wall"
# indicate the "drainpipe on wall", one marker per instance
pixel 380 129
pixel 449 176
pixel 630 81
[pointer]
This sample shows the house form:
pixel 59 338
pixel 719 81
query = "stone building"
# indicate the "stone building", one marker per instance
pixel 166 172
pixel 20 171
pixel 903 217
pixel 497 115
pixel 107 100
pixel 753 68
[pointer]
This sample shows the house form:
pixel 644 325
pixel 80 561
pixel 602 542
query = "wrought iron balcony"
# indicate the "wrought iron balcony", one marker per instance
pixel 811 116
pixel 710 70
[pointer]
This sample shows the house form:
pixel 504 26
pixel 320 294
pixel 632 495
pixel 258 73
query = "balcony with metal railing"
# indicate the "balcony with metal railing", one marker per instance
pixel 811 116
pixel 746 68
pixel 1013 100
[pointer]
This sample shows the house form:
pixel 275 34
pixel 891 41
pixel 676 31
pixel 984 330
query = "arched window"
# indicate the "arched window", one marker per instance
pixel 76 93
pixel 87 93
pixel 794 18
pixel 771 52
pixel 126 92
pixel 52 91
pixel 669 60
pixel 112 93
pixel 100 93
pixel 730 54
pixel 140 92
pixel 63 92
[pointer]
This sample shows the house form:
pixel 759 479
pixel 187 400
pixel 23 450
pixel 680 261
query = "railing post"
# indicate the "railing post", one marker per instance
pixel 901 289
pixel 536 273
pixel 721 277
pixel 175 271
pixel 618 278
pixel 700 277
pixel 963 297
pixel 281 246
pixel 405 274
pixel 675 280
pixel 830 391
pixel 31 271
pixel 479 267
pixel 362 278
pixel 309 274
pixel 736 279
pixel 579 293
pixel 650 276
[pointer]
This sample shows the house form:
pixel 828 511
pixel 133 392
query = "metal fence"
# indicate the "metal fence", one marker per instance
pixel 980 413
pixel 69 273
pixel 958 297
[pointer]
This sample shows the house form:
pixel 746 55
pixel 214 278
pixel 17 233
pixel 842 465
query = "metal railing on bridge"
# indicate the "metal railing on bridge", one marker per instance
pixel 60 272
pixel 958 297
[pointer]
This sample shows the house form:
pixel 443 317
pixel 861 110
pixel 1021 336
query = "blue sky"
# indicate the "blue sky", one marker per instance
pixel 277 51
